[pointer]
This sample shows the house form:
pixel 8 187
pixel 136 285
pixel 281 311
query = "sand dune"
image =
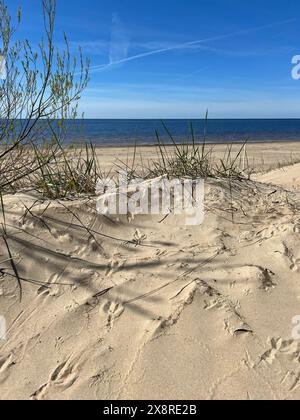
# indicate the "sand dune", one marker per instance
pixel 142 308
pixel 287 177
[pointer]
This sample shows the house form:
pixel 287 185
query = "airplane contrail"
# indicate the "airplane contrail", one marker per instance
pixel 187 45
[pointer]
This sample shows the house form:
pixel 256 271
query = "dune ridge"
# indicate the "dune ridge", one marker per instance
pixel 140 308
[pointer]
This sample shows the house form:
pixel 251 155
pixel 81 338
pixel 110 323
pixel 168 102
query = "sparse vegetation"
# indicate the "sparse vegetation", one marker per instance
pixel 40 90
pixel 196 160
pixel 69 171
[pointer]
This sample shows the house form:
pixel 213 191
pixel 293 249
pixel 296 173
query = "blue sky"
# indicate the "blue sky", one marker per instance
pixel 167 59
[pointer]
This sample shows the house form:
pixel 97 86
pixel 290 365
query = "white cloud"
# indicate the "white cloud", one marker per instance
pixel 120 57
pixel 119 43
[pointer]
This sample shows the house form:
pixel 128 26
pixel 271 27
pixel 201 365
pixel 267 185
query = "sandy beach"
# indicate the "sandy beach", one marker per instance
pixel 149 203
pixel 261 156
pixel 149 308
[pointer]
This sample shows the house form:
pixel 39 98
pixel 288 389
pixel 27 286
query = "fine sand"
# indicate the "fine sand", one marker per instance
pixel 259 156
pixel 146 307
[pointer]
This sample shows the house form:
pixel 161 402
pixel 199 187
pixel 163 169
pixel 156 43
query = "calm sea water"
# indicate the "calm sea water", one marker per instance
pixel 128 132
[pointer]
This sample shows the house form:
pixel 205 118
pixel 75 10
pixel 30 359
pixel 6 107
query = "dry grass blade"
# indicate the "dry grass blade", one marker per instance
pixel 195 160
pixel 13 266
pixel 3 212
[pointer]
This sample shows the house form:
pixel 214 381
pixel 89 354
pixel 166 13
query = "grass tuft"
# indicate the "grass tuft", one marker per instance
pixel 196 160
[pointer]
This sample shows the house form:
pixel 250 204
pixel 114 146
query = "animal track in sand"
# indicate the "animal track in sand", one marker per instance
pixel 234 323
pixel 114 266
pixel 113 310
pixel 62 378
pixel 279 346
pixel 161 252
pixel 295 266
pixel 99 378
pixel 61 236
pixel 272 231
pixel 136 241
pixel 297 228
pixel 245 277
pixel 138 237
pixel 294 261
pixel 288 351
pixel 52 288
pixel 89 246
pixel 32 224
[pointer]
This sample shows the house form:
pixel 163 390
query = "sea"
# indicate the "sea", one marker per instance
pixel 125 132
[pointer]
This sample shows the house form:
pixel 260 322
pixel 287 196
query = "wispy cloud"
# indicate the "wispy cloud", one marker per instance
pixel 119 43
pixel 119 46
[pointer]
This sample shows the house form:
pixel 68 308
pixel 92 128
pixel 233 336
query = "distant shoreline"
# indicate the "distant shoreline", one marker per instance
pixel 179 143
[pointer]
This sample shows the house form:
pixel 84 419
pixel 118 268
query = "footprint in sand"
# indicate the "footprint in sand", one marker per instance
pixel 62 378
pixel 114 266
pixel 294 260
pixel 288 348
pixel 61 237
pixel 297 228
pixel 52 288
pixel 296 265
pixel 113 310
pixel 139 237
